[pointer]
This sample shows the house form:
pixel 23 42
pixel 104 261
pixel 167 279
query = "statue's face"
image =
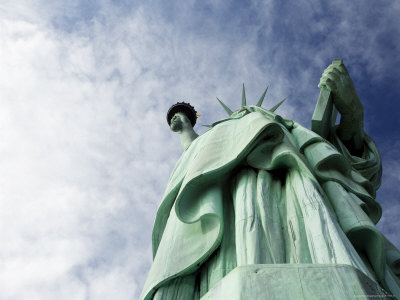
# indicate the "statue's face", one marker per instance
pixel 179 121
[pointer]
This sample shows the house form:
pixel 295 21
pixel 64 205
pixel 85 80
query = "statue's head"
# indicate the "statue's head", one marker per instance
pixel 181 116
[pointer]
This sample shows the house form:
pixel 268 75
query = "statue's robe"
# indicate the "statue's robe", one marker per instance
pixel 260 189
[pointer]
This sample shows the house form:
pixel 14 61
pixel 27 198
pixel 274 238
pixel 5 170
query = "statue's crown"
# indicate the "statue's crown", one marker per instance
pixel 230 112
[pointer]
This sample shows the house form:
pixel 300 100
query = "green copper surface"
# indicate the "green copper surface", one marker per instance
pixel 243 96
pixel 276 106
pixel 300 281
pixel 258 191
pixel 260 102
pixel 226 108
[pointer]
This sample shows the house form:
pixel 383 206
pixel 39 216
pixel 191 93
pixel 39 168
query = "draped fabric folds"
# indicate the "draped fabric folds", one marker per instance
pixel 260 189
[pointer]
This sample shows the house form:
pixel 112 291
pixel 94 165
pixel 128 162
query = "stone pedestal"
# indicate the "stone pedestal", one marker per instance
pixel 296 281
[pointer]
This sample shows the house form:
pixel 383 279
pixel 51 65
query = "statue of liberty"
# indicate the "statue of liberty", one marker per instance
pixel 259 190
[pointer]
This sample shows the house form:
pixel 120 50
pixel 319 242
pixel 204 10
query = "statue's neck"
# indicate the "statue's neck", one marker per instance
pixel 187 136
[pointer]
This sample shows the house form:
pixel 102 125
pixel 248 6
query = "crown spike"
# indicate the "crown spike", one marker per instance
pixel 262 98
pixel 227 109
pixel 243 96
pixel 276 106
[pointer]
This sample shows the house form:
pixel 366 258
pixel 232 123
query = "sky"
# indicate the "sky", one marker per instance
pixel 85 150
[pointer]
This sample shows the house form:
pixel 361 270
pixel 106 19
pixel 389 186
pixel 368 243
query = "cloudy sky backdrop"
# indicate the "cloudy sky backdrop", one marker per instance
pixel 85 151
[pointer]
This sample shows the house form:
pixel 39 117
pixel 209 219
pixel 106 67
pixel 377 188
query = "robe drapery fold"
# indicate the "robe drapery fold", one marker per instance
pixel 286 188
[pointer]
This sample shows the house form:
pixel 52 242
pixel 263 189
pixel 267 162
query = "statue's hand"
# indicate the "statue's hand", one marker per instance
pixel 336 79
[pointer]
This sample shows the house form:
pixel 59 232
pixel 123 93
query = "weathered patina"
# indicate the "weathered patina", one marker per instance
pixel 260 189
